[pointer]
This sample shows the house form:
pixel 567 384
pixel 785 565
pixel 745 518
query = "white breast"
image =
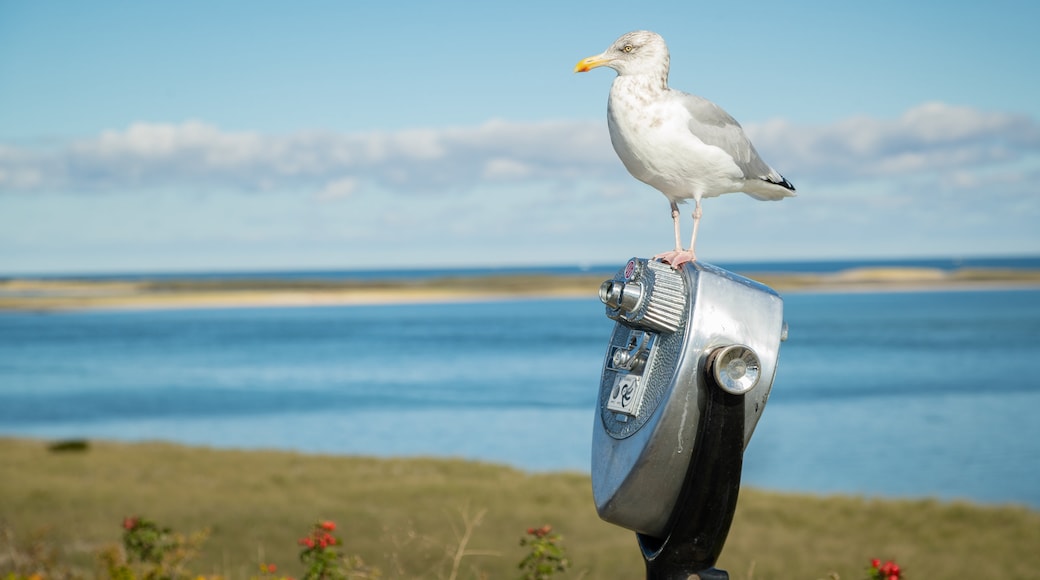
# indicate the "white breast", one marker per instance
pixel 650 133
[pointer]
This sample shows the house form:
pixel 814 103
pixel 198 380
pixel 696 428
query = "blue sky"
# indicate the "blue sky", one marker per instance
pixel 193 136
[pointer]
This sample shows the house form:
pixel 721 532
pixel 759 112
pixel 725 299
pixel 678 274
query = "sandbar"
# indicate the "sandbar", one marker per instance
pixel 63 294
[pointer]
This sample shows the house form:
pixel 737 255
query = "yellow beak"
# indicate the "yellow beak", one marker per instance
pixel 587 64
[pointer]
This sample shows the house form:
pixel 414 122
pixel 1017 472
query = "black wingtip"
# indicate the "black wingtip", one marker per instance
pixel 783 183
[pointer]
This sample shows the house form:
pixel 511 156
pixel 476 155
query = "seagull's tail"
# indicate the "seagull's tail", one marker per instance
pixel 772 187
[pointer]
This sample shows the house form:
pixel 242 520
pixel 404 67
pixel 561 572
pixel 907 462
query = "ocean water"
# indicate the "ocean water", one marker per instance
pixel 796 266
pixel 920 394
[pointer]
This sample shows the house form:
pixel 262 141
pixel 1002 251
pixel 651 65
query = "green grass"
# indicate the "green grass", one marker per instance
pixel 405 516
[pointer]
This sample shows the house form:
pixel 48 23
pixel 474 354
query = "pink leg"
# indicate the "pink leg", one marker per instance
pixel 678 256
pixel 675 223
pixel 696 225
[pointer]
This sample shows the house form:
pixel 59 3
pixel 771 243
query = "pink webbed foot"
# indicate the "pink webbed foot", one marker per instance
pixel 676 258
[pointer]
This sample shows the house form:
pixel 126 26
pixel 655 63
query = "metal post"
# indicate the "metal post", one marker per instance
pixel 705 509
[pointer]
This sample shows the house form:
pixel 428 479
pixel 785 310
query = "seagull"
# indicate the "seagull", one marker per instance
pixel 683 145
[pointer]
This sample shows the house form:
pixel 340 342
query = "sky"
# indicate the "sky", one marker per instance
pixel 244 136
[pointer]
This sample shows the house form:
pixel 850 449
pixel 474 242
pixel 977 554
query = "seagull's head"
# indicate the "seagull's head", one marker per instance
pixel 637 53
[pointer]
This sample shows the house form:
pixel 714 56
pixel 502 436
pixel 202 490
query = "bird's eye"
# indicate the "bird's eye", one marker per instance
pixel 628 48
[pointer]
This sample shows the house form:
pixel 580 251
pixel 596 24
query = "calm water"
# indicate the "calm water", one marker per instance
pixel 802 266
pixel 893 394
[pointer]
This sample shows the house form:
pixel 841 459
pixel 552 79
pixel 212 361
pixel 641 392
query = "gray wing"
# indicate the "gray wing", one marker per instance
pixel 716 127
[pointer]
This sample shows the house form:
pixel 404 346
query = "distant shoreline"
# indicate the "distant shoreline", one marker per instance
pixel 58 294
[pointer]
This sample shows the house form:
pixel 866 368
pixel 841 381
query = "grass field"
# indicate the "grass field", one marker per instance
pixel 405 516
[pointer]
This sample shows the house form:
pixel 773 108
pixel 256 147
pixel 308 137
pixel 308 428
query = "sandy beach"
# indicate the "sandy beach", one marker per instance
pixel 52 294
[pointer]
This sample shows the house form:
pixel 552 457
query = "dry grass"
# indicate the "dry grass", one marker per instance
pixel 408 517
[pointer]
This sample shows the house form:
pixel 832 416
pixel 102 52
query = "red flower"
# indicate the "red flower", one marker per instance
pixel 539 532
pixel 328 525
pixel 129 523
pixel 887 571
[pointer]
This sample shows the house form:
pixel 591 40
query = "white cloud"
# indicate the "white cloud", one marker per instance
pixel 159 155
pixel 930 138
pixel 946 144
pixel 339 188
pixel 506 169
